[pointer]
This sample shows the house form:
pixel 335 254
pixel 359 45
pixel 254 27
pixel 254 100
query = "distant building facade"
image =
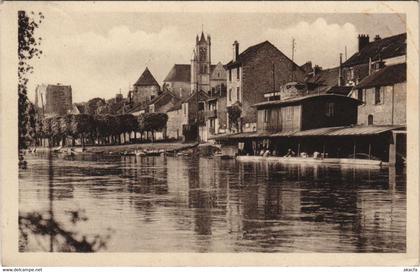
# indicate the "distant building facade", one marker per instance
pixel 183 79
pixel 145 89
pixel 56 99
pixel 257 70
pixel 384 96
pixel 372 56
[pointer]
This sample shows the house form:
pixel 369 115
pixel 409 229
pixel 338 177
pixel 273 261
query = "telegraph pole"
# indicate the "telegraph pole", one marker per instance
pixel 293 59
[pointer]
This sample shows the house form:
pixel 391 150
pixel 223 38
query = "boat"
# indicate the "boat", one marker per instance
pixel 309 160
pixel 223 156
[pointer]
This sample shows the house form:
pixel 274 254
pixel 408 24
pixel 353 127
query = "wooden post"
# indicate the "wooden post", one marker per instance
pixel 298 150
pixel 370 150
pixel 323 149
pixel 354 149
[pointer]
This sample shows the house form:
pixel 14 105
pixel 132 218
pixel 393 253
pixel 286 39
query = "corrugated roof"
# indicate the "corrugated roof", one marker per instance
pixel 325 131
pixel 146 79
pixel 388 75
pixel 302 98
pixel 388 47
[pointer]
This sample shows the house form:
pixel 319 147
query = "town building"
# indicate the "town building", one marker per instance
pixel 200 74
pixel 186 119
pixel 145 89
pixel 384 96
pixel 56 99
pixel 321 81
pixel 164 102
pixel 372 56
pixel 259 69
pixel 216 112
pixel 178 80
pixel 314 126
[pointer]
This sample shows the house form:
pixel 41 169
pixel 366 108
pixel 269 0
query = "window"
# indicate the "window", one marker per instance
pixel 230 74
pixel 201 106
pixel 237 73
pixel 370 119
pixel 230 95
pixel 267 115
pixel 379 95
pixel 238 94
pixel 184 107
pixel 360 95
pixel 330 109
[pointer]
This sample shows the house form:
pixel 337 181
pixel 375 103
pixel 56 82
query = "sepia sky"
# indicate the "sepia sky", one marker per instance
pixel 100 53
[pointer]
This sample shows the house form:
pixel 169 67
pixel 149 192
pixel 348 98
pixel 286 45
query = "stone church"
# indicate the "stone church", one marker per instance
pixel 183 79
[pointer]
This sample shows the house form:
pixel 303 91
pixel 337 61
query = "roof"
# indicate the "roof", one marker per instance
pixel 325 131
pixel 385 48
pixel 146 79
pixel 179 73
pixel 325 77
pixel 388 75
pixel 299 99
pixel 162 95
pixel 192 95
pixel 251 51
pixel 340 90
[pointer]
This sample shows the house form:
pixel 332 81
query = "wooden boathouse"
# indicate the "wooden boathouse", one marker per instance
pixel 317 124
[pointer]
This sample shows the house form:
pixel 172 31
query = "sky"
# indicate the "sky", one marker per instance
pixel 101 54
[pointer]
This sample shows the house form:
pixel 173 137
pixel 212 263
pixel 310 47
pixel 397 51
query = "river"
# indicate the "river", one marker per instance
pixel 193 204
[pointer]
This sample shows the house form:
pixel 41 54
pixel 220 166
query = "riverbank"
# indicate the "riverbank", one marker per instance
pixel 167 147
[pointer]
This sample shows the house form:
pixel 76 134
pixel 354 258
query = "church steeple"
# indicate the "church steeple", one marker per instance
pixel 202 39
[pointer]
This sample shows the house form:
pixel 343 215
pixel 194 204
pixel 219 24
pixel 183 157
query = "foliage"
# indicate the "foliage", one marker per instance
pixel 41 225
pixel 28 45
pixel 234 113
pixel 154 121
pixel 93 105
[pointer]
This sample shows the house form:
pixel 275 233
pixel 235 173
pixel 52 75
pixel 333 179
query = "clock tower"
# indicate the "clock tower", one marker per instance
pixel 201 64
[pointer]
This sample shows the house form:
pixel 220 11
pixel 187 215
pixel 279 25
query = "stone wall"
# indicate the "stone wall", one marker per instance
pixel 144 94
pixel 174 124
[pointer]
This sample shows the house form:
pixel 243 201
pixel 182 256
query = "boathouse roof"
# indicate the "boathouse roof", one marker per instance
pixel 325 131
pixel 300 99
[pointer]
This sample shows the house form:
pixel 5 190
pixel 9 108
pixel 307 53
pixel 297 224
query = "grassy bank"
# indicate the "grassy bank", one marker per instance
pixel 131 147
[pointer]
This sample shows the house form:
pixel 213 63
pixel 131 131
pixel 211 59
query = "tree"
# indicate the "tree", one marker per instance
pixel 65 126
pixel 82 125
pixel 28 45
pixel 93 104
pixel 56 128
pixel 234 113
pixel 47 130
pixel 154 121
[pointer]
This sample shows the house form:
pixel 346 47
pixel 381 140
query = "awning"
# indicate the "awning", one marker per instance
pixel 326 131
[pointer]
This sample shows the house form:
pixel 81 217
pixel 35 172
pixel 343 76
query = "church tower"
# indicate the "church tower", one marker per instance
pixel 201 64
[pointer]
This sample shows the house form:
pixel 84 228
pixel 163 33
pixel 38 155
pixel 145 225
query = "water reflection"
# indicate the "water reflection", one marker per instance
pixel 212 205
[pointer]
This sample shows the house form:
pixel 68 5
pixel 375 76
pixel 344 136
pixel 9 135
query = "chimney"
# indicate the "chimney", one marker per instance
pixel 235 50
pixel 363 41
pixel 377 38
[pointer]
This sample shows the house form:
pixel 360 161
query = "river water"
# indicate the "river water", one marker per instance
pixel 176 204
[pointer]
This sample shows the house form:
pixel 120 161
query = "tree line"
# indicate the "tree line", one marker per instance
pixel 100 129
